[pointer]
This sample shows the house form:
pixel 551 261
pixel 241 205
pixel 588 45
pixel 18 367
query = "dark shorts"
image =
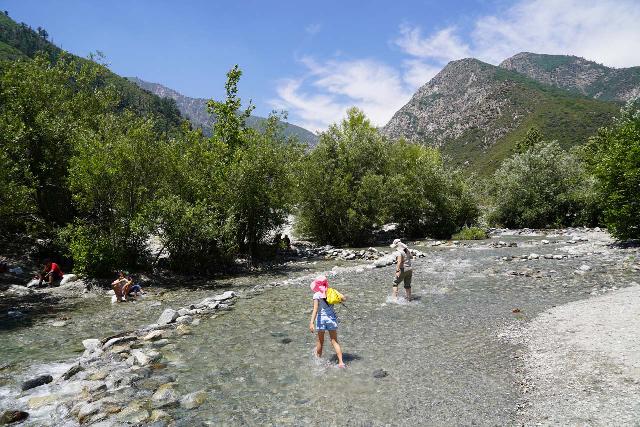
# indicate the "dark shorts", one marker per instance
pixel 405 276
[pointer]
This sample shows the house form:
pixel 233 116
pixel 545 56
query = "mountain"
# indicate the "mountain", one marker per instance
pixel 578 75
pixel 19 41
pixel 476 112
pixel 196 110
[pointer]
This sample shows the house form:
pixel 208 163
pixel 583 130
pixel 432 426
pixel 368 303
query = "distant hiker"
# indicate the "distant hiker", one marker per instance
pixel 122 286
pixel 323 318
pixel 404 271
pixel 50 274
pixel 277 241
pixel 287 242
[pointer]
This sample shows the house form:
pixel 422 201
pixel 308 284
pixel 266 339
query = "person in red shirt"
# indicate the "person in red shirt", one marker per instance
pixel 51 274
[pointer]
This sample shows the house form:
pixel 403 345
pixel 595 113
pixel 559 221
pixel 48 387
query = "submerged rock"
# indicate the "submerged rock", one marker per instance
pixel 165 396
pixel 193 400
pixel 36 382
pixel 13 416
pixel 380 373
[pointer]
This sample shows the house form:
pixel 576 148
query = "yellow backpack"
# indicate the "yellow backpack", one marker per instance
pixel 334 297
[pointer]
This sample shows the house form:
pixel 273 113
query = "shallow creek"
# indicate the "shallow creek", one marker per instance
pixel 444 360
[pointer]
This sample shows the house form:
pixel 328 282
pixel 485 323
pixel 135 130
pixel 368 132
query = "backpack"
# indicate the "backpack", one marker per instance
pixel 334 297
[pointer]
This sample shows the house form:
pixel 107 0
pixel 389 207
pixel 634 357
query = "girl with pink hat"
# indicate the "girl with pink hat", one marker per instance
pixel 324 318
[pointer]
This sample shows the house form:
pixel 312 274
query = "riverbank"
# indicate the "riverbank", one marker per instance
pixel 582 362
pixel 252 364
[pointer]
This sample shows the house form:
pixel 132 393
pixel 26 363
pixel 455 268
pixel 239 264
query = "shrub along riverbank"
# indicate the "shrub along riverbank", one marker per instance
pixel 98 179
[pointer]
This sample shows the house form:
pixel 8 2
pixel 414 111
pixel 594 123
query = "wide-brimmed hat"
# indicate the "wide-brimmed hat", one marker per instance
pixel 320 284
pixel 397 243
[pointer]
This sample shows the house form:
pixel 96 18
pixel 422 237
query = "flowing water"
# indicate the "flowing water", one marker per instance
pixel 442 353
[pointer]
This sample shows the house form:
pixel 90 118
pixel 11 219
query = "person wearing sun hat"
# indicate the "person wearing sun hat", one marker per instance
pixel 404 270
pixel 323 318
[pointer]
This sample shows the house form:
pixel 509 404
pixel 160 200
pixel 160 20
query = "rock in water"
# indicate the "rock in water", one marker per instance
pixel 72 371
pixel 193 400
pixel 168 316
pixel 225 296
pixel 380 373
pixel 12 416
pixel 36 382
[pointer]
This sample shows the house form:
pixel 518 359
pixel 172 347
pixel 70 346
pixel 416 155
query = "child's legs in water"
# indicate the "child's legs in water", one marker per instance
pixel 319 343
pixel 334 342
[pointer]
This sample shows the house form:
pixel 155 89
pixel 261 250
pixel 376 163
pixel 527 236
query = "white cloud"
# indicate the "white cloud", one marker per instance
pixel 443 45
pixel 332 86
pixel 606 31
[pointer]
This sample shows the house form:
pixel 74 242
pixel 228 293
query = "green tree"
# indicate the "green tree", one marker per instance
pixel 230 125
pixel 533 137
pixel 43 109
pixel 117 172
pixel 260 184
pixel 614 156
pixel 543 187
pixel 340 183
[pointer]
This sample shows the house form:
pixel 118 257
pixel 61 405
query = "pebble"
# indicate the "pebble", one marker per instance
pixel 380 373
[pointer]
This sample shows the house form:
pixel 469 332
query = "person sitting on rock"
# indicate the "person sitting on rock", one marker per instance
pixel 51 274
pixel 135 289
pixel 122 286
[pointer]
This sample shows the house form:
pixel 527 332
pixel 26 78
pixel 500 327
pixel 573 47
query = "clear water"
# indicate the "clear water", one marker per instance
pixel 446 364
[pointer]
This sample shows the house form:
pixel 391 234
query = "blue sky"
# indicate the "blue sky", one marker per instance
pixel 315 59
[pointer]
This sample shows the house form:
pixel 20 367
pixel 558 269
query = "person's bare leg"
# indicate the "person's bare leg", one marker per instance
pixel 319 343
pixel 334 342
pixel 408 291
pixel 116 290
pixel 395 293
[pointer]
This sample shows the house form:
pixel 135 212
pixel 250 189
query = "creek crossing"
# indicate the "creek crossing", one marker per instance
pixel 447 356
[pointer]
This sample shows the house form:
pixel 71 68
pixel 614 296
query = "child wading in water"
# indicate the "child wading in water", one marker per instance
pixel 324 318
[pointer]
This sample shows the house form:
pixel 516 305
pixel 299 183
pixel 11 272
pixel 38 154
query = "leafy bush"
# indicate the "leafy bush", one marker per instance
pixel 470 233
pixel 341 183
pixel 355 180
pixel 544 186
pixel 614 156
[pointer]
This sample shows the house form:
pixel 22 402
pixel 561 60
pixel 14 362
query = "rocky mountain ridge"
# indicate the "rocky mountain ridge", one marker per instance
pixel 475 112
pixel 579 75
pixel 196 110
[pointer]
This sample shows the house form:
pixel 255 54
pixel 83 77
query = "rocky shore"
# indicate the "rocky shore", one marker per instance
pixel 118 379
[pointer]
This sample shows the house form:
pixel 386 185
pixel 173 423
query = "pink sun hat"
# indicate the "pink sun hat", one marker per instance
pixel 320 284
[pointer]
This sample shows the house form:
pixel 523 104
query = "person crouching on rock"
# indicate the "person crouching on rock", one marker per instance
pixel 51 274
pixel 404 270
pixel 121 286
pixel 323 318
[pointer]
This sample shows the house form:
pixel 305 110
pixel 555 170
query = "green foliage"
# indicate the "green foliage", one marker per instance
pixel 43 110
pixel 355 180
pixel 543 187
pixel 423 196
pixel 260 178
pixel 115 175
pixel 341 183
pixel 230 126
pixel 614 156
pixel 470 233
pixel 533 137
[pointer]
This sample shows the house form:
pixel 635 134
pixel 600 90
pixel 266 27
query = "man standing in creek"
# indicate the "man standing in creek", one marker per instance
pixel 404 271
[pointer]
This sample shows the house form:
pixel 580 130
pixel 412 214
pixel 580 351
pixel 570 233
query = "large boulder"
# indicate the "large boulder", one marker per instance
pixel 13 416
pixel 168 316
pixel 36 382
pixel 68 278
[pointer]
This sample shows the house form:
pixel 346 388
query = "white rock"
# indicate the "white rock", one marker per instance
pixel 585 267
pixel 143 358
pixel 533 256
pixel 545 242
pixel 193 400
pixel 183 312
pixel 88 410
pixel 68 278
pixel 225 296
pixel 152 336
pixel 168 316
pixel 184 320
pixel 557 257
